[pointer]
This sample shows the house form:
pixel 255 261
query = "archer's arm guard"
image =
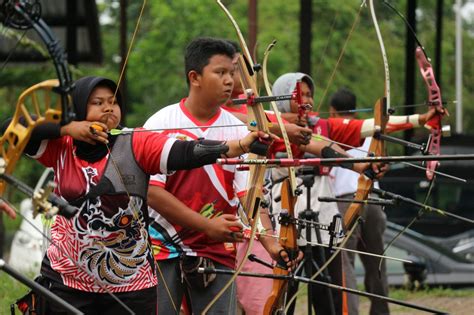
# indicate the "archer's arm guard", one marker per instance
pixel 185 155
pixel 330 153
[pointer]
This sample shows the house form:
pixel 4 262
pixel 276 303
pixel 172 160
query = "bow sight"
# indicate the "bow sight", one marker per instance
pixel 20 15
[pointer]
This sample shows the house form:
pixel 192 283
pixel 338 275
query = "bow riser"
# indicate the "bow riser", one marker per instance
pixel 18 132
pixel 365 183
pixel 287 239
pixel 257 120
pixel 434 99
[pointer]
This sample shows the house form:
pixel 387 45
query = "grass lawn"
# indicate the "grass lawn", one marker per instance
pixel 10 291
pixel 459 301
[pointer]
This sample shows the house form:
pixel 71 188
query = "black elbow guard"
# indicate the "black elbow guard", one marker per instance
pixel 208 151
pixel 185 155
pixel 330 153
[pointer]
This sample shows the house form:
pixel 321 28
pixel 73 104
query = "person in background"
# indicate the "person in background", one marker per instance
pixel 369 236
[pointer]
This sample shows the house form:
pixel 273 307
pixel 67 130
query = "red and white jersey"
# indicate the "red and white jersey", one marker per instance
pixel 346 131
pixel 211 190
pixel 108 237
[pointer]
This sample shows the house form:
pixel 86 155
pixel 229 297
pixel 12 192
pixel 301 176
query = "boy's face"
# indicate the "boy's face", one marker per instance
pixel 306 95
pixel 102 106
pixel 216 81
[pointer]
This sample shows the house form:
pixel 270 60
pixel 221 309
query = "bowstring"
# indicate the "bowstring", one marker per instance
pixel 132 40
pixel 341 55
pixel 331 32
pixel 421 211
pixel 12 50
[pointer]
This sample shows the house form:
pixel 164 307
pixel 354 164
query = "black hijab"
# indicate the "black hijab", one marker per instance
pixel 80 96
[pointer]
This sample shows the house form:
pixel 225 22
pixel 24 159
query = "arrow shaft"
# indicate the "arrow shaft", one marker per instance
pixel 263 99
pixel 325 284
pixel 423 206
pixel 336 161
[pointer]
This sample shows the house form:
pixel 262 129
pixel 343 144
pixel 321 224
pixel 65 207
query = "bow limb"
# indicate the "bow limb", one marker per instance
pixel 377 145
pixel 291 170
pixel 257 121
pixel 287 239
pixel 288 235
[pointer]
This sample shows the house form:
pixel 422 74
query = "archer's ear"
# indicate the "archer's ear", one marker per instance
pixel 194 78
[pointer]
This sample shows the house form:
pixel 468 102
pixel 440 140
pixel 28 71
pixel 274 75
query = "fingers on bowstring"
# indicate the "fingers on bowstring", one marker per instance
pixel 98 132
pixel 236 236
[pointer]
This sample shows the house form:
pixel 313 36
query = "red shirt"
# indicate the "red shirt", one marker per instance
pixel 211 190
pixel 346 131
pixel 101 238
pixel 342 130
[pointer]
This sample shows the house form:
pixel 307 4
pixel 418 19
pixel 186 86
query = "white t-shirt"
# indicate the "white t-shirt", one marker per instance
pixel 326 211
pixel 344 181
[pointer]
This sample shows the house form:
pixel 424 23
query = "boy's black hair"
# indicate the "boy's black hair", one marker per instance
pixel 200 50
pixel 235 45
pixel 343 100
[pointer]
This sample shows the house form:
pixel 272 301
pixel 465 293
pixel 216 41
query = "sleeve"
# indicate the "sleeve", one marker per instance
pixel 49 151
pixel 279 146
pixel 151 151
pixel 240 183
pixel 347 131
pixel 272 117
pixel 158 179
pixel 241 177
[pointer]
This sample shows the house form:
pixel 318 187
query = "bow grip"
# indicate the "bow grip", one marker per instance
pixel 65 209
pixel 260 146
pixel 369 173
pixel 292 255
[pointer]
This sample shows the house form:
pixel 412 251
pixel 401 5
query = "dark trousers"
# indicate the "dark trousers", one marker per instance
pixel 319 294
pixel 368 237
pixel 172 289
pixel 140 302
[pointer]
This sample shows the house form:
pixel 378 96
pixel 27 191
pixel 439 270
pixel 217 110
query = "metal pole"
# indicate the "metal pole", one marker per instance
pixel 253 28
pixel 123 55
pixel 410 67
pixel 71 32
pixel 51 297
pixel 306 37
pixel 439 40
pixel 459 127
